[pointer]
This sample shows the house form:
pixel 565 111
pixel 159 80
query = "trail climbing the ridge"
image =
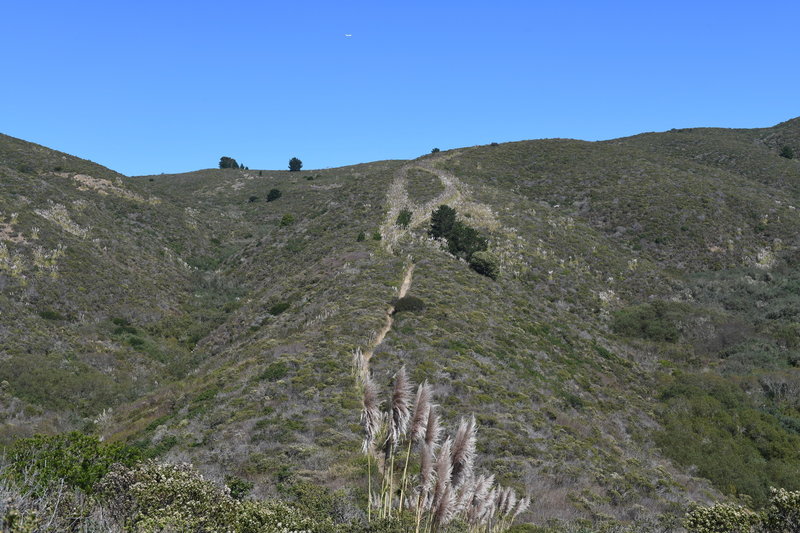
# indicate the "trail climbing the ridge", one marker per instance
pixel 387 326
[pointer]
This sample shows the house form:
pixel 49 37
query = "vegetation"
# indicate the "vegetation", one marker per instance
pixel 227 162
pixel 273 195
pixel 295 164
pixel 404 218
pixel 787 152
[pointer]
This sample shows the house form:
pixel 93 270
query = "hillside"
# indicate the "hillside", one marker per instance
pixel 638 350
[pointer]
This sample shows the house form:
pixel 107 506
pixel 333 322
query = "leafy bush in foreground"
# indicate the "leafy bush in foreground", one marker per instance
pixel 782 515
pixel 80 460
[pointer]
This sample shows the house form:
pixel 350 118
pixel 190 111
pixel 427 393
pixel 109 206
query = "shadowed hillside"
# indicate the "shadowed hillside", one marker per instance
pixel 638 350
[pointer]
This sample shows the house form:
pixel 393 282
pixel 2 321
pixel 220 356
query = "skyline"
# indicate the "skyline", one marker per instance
pixel 144 88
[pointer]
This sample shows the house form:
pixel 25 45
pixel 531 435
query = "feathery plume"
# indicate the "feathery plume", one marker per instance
pixel 400 415
pixel 443 470
pixel 359 366
pixel 510 501
pixel 522 506
pixel 463 452
pixel 426 465
pixel 433 430
pixel 370 414
pixel 419 419
pixel 445 509
pixel 480 498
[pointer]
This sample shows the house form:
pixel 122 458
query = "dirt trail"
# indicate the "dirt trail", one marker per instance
pixel 387 326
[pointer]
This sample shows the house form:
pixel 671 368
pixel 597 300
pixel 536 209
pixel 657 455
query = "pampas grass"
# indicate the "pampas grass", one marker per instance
pixel 447 486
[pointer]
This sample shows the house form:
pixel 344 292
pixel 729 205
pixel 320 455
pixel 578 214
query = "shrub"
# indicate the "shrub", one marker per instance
pixel 49 314
pixel 647 321
pixel 485 263
pixel 404 218
pixel 238 487
pixel 287 220
pixel 435 151
pixel 252 199
pixel 408 303
pixel 275 371
pixel 80 460
pixel 787 152
pixel 361 236
pixel 273 195
pixel 295 164
pixel 278 308
pixel 376 235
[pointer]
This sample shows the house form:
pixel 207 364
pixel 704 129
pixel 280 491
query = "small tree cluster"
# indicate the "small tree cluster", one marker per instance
pixel 462 240
pixel 447 486
pixel 295 164
pixel 228 162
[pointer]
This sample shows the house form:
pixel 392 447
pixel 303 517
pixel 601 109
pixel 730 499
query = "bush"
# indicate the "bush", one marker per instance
pixel 48 314
pixel 435 151
pixel 787 152
pixel 80 460
pixel 278 308
pixel 781 515
pixel 361 236
pixel 376 235
pixel 295 164
pixel 463 241
pixel 485 263
pixel 408 303
pixel 252 199
pixel 275 371
pixel 404 218
pixel 647 321
pixel 287 220
pixel 273 195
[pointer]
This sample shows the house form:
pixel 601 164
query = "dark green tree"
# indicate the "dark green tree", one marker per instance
pixel 787 152
pixel 273 194
pixel 295 164
pixel 442 221
pixel 463 240
pixel 228 162
pixel 485 263
pixel 435 151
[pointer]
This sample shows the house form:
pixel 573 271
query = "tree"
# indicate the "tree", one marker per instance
pixel 273 194
pixel 435 151
pixel 787 152
pixel 228 162
pixel 295 164
pixel 442 221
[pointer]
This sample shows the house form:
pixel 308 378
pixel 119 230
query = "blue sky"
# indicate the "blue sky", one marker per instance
pixel 148 87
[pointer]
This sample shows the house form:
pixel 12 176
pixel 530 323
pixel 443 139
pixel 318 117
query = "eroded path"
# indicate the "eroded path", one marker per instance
pixel 387 326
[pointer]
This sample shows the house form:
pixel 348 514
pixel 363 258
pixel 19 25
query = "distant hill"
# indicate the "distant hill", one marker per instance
pixel 639 350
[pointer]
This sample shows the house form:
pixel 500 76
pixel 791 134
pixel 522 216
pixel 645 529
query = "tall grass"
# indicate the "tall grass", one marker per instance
pixel 446 486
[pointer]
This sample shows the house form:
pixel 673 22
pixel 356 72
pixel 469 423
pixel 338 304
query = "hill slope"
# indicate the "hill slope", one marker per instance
pixel 640 340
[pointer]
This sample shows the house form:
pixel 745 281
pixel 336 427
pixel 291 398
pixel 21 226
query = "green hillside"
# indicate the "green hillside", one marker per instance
pixel 638 351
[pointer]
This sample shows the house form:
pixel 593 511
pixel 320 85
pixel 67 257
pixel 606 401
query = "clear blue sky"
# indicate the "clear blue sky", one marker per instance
pixel 147 87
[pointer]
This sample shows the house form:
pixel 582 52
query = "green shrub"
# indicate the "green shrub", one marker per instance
pixel 720 518
pixel 408 304
pixel 287 220
pixel 404 218
pixel 787 152
pixel 435 151
pixel 376 235
pixel 275 371
pixel 252 199
pixel 361 237
pixel 238 487
pixel 228 162
pixel 273 195
pixel 485 263
pixel 463 241
pixel 647 321
pixel 80 460
pixel 49 314
pixel 279 308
